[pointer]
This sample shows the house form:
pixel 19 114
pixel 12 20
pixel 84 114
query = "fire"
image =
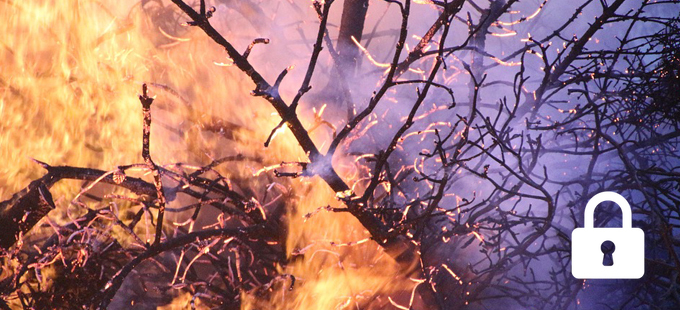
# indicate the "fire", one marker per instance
pixel 65 74
pixel 333 261
pixel 71 73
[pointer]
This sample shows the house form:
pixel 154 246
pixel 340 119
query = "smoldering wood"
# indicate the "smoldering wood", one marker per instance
pixel 26 208
pixel 507 237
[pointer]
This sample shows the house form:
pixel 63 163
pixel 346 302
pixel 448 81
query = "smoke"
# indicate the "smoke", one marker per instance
pixel 518 153
pixel 291 29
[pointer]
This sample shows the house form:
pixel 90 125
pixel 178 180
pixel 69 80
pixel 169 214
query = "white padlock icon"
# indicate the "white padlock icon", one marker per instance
pixel 606 252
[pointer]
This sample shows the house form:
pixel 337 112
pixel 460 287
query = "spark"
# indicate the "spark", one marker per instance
pixel 453 274
pixel 429 112
pixel 398 306
pixel 351 243
pixel 362 133
pixel 321 110
pixel 527 39
pixel 345 304
pixel 388 186
pixel 413 292
pixel 478 236
pixel 523 19
pixel 91 185
pixel 403 215
pixel 508 33
pixel 267 169
pixel 337 255
pixel 169 36
pixel 368 55
pixel 222 64
pixel 259 207
pixel 363 156
pixel 422 2
pixel 415 166
pixel 417 70
pixel 182 223
pixel 504 63
pixel 415 133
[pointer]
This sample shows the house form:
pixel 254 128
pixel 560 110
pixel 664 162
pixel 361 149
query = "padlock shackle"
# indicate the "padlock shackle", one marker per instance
pixel 626 216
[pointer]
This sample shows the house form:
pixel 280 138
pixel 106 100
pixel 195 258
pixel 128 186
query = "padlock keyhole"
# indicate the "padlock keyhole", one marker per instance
pixel 608 248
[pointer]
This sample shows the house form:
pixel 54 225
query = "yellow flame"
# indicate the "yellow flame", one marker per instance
pixel 70 74
pixel 336 273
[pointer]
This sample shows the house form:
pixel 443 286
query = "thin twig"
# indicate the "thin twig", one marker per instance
pixel 146 110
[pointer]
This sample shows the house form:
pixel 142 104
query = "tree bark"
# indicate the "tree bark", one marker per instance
pixel 351 25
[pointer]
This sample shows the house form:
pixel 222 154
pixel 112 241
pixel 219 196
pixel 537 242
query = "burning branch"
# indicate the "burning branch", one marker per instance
pixel 319 165
pixel 146 110
pixel 470 198
pixel 26 208
pixel 397 245
pixel 103 299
